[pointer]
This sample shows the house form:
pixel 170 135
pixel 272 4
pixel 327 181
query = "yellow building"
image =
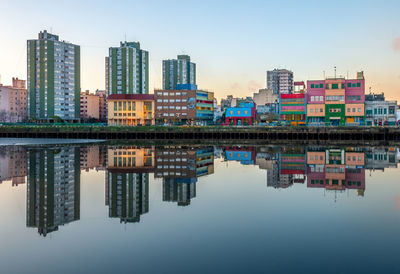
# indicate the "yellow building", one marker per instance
pixel 131 109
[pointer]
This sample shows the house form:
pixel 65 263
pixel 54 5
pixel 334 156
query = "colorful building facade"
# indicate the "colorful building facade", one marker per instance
pixel 292 108
pixel 336 102
pixel 131 109
pixel 336 169
pixel 244 114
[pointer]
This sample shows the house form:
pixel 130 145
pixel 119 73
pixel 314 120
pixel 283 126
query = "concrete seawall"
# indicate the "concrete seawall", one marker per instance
pixel 221 134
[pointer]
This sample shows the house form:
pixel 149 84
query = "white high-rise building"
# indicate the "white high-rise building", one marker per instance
pixel 280 81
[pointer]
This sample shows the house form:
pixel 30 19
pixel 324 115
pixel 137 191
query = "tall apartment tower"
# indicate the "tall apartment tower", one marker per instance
pixel 127 69
pixel 179 72
pixel 280 81
pixel 53 78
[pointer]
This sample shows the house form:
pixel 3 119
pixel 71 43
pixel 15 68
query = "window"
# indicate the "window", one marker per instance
pixel 316 110
pixel 321 85
pixel 327 86
pixel 354 109
pixel 133 106
pixel 321 98
pixel 358 98
pixel 312 85
pixel 119 106
pixel 231 112
pixel 311 110
pixel 115 106
pixel 342 86
pixel 320 110
pixel 375 111
pixel 245 112
pixel 358 84
pixel 359 109
pixel 341 98
pixel 348 109
pixel 335 86
pixel 349 85
pixel 384 111
pixel 312 98
pixel 159 93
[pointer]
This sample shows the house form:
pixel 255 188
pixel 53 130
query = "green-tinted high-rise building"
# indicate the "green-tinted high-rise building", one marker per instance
pixel 178 72
pixel 127 69
pixel 53 78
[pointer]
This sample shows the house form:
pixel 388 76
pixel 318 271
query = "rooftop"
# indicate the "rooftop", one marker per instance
pixel 131 97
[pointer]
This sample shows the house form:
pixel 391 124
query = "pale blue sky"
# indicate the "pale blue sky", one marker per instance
pixel 232 42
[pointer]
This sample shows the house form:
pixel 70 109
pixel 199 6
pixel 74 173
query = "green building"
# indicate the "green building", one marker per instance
pixel 178 72
pixel 127 69
pixel 53 78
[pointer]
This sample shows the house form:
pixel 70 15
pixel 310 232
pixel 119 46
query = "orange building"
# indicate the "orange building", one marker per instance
pixel 90 105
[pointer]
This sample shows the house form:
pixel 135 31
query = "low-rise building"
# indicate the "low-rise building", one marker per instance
pixel 13 102
pixel 292 106
pixel 184 106
pixel 265 97
pixel 102 104
pixel 379 112
pixel 336 101
pixel 90 106
pixel 131 109
pixel 244 114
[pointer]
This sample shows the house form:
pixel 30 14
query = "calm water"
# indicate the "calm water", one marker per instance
pixel 199 209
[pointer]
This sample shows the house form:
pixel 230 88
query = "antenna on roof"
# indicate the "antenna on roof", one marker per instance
pixel 370 90
pixel 335 72
pixel 125 36
pixel 324 74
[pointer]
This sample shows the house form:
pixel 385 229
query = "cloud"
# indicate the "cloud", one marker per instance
pixel 396 44
pixel 253 86
pixel 236 86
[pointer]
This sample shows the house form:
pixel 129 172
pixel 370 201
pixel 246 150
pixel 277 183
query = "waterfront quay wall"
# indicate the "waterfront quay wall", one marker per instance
pixel 163 133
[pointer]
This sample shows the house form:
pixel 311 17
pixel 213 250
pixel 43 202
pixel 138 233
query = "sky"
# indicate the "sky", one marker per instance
pixel 232 42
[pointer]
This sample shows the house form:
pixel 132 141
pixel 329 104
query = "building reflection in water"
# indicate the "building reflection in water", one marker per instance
pixel 179 167
pixel 53 174
pixel 53 188
pixel 336 169
pixel 13 164
pixel 127 182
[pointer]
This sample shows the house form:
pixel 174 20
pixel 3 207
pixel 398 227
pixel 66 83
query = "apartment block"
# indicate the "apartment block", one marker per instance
pixel 13 102
pixel 53 78
pixel 127 69
pixel 280 81
pixel 90 106
pixel 336 102
pixel 179 71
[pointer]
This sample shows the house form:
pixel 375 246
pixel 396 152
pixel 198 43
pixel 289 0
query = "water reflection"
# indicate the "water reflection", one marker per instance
pixel 54 180
pixel 127 182
pixel 53 188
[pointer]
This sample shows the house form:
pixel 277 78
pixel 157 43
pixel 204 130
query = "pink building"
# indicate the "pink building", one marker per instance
pixel 336 101
pixel 13 102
